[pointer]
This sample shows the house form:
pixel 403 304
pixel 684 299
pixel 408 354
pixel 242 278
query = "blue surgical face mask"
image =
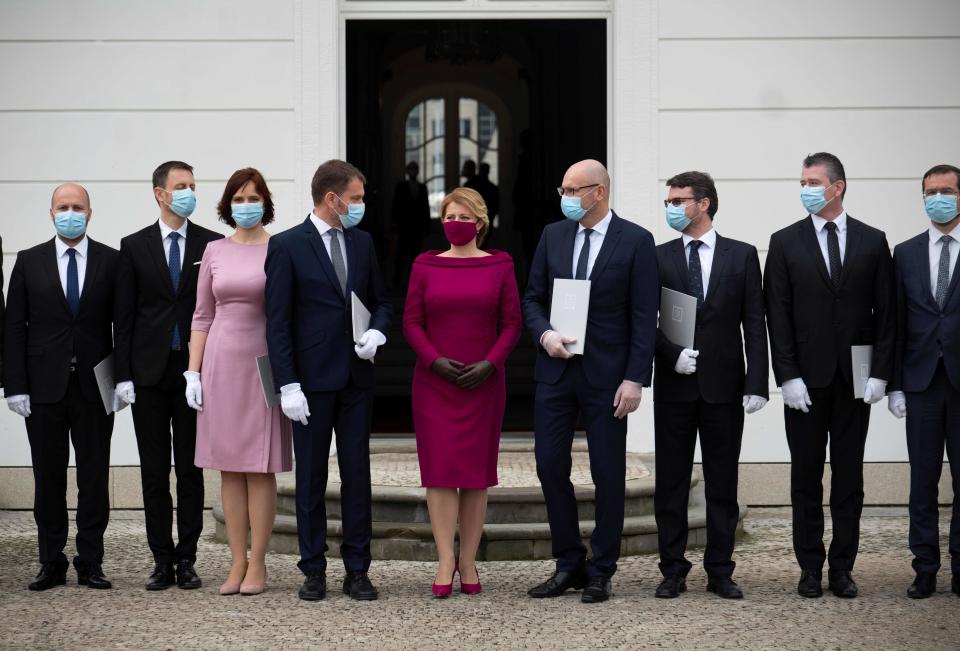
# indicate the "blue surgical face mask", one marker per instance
pixel 677 217
pixel 572 208
pixel 183 202
pixel 247 215
pixel 69 224
pixel 941 208
pixel 813 198
pixel 354 213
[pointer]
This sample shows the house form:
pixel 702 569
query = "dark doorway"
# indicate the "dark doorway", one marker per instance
pixel 526 98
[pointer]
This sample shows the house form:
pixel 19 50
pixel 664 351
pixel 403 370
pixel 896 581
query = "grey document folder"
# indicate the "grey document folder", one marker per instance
pixel 678 317
pixel 360 316
pixel 103 372
pixel 569 310
pixel 270 394
pixel 861 357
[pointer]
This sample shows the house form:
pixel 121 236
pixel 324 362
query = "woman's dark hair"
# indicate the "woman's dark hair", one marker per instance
pixel 239 179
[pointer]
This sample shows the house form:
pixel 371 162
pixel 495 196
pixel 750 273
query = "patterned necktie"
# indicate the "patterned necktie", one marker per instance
pixel 336 256
pixel 173 262
pixel 584 256
pixel 943 273
pixel 694 271
pixel 833 252
pixel 73 282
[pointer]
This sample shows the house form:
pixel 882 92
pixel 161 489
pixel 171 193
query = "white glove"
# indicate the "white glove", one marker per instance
pixel 294 403
pixel 118 403
pixel 124 391
pixel 687 362
pixel 19 405
pixel 795 395
pixel 370 340
pixel 194 391
pixel 874 390
pixel 553 342
pixel 753 404
pixel 897 403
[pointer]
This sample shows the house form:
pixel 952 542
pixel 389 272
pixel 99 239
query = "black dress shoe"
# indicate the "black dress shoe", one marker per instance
pixel 358 586
pixel 842 584
pixel 314 587
pixel 923 586
pixel 187 578
pixel 724 586
pixel 50 575
pixel 955 585
pixel 162 577
pixel 598 589
pixel 809 585
pixel 559 583
pixel 671 587
pixel 92 577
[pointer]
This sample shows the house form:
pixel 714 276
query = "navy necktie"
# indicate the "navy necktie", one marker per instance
pixel 584 256
pixel 695 274
pixel 833 253
pixel 73 282
pixel 173 262
pixel 943 271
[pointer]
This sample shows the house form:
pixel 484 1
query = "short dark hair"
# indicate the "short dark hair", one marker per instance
pixel 701 184
pixel 163 171
pixel 333 176
pixel 942 169
pixel 239 179
pixel 833 166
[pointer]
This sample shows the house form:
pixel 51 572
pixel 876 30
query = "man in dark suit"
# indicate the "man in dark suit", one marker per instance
pixel 828 286
pixel 59 322
pixel 926 372
pixel 326 382
pixel 156 296
pixel 601 386
pixel 705 389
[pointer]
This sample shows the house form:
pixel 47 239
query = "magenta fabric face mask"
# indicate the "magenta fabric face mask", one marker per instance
pixel 459 233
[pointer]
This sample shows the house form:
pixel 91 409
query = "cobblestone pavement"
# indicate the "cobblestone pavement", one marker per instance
pixel 772 616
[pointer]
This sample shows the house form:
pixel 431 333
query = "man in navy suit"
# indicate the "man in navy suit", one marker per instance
pixel 705 389
pixel 926 377
pixel 601 386
pixel 326 382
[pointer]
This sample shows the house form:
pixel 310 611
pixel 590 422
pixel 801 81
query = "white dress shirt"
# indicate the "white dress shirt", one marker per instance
pixel 324 229
pixel 707 248
pixel 935 248
pixel 63 260
pixel 182 242
pixel 841 222
pixel 596 241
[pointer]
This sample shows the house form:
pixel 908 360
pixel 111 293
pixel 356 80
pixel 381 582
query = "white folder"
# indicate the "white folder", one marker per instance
pixel 103 372
pixel 678 317
pixel 270 394
pixel 861 357
pixel 569 310
pixel 360 316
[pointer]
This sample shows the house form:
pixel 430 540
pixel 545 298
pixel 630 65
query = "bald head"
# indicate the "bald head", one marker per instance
pixel 591 182
pixel 590 171
pixel 70 196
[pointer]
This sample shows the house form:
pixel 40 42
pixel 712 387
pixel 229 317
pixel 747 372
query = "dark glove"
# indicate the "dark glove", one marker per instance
pixel 449 369
pixel 474 375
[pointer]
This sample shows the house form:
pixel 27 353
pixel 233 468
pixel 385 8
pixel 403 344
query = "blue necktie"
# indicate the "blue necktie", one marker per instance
pixel 695 272
pixel 174 263
pixel 73 282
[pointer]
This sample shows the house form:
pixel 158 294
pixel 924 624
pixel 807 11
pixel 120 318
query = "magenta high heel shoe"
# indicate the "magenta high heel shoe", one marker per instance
pixel 469 588
pixel 444 590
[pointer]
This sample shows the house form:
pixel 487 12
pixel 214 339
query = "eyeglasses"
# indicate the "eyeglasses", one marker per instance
pixel 677 201
pixel 947 192
pixel 569 192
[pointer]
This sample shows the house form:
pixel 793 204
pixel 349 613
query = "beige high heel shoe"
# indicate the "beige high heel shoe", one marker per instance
pixel 231 587
pixel 250 589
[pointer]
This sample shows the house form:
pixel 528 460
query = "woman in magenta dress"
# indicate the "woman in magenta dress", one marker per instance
pixel 462 318
pixel 237 433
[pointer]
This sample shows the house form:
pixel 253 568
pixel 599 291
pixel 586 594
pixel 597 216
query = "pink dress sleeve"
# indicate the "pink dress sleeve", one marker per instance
pixel 206 302
pixel 509 322
pixel 415 318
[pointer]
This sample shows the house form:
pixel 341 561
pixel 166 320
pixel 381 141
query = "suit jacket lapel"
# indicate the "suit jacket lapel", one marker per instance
pixel 808 235
pixel 720 259
pixel 680 262
pixel 321 251
pixel 192 253
pixel 566 250
pixel 90 277
pixel 155 247
pixel 923 262
pixel 853 243
pixel 350 247
pixel 610 241
pixel 50 267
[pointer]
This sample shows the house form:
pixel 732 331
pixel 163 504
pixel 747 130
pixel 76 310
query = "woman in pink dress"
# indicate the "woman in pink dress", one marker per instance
pixel 462 318
pixel 237 433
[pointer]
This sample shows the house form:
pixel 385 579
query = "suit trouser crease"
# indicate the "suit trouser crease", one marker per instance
pixel 720 429
pixel 555 417
pixel 348 413
pixel 50 430
pixel 160 409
